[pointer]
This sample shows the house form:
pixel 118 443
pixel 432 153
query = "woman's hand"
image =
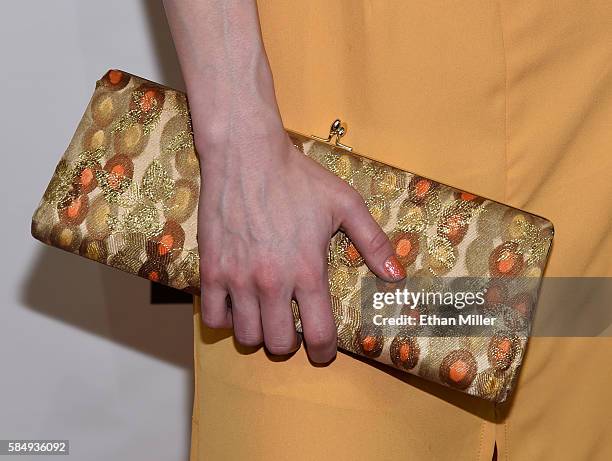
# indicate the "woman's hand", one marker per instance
pixel 267 212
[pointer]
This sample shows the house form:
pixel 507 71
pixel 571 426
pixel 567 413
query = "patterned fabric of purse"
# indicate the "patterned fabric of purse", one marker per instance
pixel 125 194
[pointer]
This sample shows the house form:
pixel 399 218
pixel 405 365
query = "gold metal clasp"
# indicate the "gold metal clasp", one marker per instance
pixel 338 131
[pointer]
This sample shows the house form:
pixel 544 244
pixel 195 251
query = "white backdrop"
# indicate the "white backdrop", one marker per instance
pixel 83 354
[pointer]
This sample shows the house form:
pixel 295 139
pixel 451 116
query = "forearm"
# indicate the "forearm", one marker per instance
pixel 225 67
pixel 266 211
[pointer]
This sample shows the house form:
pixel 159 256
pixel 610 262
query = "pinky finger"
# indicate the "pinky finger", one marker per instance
pixel 215 308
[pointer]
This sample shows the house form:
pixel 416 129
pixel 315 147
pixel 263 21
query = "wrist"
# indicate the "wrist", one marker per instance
pixel 221 128
pixel 252 143
pixel 222 92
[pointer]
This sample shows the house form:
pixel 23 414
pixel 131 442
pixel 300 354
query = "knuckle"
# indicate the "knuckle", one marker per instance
pixel 247 337
pixel 311 279
pixel 379 242
pixel 209 275
pixel 267 279
pixel 213 321
pixel 352 198
pixel 238 281
pixel 266 283
pixel 320 338
pixel 280 345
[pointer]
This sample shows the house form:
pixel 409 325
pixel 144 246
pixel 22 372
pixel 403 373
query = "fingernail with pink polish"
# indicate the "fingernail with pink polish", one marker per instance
pixel 394 268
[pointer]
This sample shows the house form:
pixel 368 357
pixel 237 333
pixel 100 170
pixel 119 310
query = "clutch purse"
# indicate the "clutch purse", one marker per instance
pixel 125 194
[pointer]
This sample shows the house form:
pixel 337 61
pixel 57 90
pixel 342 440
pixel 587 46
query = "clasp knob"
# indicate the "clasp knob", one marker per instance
pixel 336 129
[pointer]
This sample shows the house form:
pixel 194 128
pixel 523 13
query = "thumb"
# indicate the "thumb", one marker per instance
pixel 370 240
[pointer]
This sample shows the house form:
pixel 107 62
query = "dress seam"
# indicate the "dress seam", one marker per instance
pixel 504 423
pixel 506 98
pixel 506 441
pixel 482 426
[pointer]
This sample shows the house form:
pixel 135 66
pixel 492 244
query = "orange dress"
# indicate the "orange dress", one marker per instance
pixel 509 99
